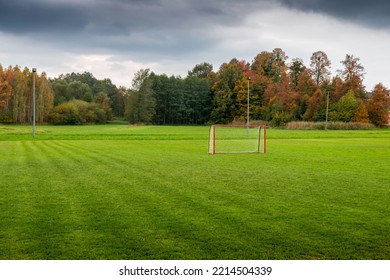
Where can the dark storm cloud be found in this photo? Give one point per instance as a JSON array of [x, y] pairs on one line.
[[374, 13], [131, 23], [115, 16], [20, 16], [100, 16], [147, 27], [117, 24]]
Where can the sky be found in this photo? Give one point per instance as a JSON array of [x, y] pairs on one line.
[[115, 38]]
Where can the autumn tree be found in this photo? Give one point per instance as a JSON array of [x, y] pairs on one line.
[[44, 98], [248, 80], [378, 105], [296, 68], [353, 74], [270, 64], [16, 95], [5, 94], [278, 60], [225, 97], [20, 92], [361, 113], [320, 65], [314, 104], [5, 97], [280, 101], [305, 89], [338, 89]]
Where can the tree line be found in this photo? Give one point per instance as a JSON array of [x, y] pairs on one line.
[[279, 92], [16, 96], [160, 99]]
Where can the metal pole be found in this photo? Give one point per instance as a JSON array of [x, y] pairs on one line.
[[327, 110], [34, 70], [265, 140], [247, 110]]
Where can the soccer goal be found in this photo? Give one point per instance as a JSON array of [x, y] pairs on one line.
[[237, 139]]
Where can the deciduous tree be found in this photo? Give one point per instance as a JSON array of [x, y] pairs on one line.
[[141, 101], [314, 103], [378, 105], [105, 103], [353, 75], [225, 97], [296, 68], [201, 70], [320, 65], [5, 97], [44, 98], [345, 109], [270, 64]]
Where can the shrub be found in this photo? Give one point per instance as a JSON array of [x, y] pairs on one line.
[[6, 118], [65, 113], [281, 119], [331, 125], [78, 112]]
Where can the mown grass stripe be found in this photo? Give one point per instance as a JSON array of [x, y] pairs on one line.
[[90, 204]]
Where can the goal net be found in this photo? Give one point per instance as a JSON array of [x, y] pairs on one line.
[[230, 139]]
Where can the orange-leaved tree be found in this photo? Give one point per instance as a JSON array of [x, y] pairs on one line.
[[378, 105]]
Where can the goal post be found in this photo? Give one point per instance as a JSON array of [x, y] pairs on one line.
[[237, 139]]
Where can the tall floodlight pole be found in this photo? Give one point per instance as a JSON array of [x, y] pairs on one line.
[[34, 70], [247, 109], [327, 110]]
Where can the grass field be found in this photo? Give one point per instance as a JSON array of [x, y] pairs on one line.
[[127, 192]]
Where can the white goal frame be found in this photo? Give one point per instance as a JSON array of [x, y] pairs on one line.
[[261, 147]]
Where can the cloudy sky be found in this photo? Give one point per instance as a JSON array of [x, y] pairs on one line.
[[115, 38]]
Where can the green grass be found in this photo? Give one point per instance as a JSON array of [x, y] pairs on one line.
[[128, 192]]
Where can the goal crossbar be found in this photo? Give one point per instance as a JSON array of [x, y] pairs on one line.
[[237, 139]]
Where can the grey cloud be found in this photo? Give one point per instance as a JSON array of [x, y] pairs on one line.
[[117, 16], [20, 16], [167, 20], [144, 27], [374, 13]]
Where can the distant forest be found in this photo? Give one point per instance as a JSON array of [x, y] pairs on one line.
[[279, 93]]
